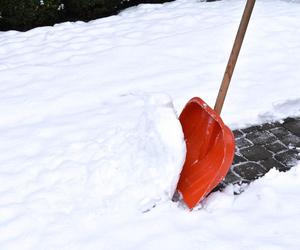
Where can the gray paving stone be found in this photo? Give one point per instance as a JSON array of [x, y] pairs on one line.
[[238, 159], [276, 147], [237, 133], [293, 125], [256, 153], [249, 170], [268, 126], [220, 187], [288, 158], [272, 163], [243, 143], [251, 129], [280, 132], [291, 140], [231, 178], [261, 137]]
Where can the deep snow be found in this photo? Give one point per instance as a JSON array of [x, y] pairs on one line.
[[90, 142]]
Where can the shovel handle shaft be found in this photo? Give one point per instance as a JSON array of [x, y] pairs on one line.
[[234, 55]]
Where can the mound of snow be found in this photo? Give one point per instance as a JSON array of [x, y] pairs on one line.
[[138, 154], [124, 155]]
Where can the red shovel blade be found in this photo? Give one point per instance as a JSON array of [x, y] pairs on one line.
[[210, 151]]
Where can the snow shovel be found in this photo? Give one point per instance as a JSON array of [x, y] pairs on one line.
[[210, 143]]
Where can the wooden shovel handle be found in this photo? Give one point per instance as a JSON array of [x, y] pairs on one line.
[[234, 55]]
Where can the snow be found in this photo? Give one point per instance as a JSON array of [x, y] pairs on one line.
[[263, 217], [90, 144]]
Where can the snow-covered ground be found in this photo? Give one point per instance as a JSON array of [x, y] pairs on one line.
[[90, 142]]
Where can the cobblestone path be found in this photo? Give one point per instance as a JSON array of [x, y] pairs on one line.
[[260, 148]]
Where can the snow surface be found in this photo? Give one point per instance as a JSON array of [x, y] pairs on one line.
[[90, 142]]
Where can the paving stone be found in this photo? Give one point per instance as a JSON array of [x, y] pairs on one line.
[[268, 126], [280, 132], [238, 159], [293, 125], [256, 153], [262, 127], [232, 178], [219, 187], [291, 140], [288, 158], [276, 147], [272, 163], [249, 170], [237, 133], [251, 129], [242, 143], [176, 196], [261, 137]]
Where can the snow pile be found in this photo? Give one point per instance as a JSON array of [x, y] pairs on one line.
[[121, 155]]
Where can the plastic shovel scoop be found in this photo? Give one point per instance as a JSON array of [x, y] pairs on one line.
[[210, 143]]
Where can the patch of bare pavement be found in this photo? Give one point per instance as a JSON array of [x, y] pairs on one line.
[[260, 148]]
